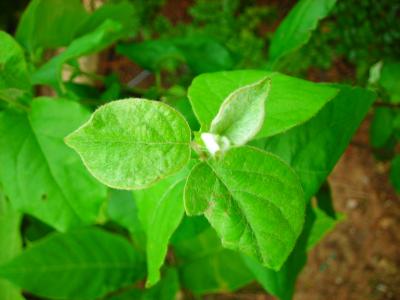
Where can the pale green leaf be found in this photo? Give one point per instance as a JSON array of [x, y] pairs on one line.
[[241, 115], [313, 148], [103, 36], [13, 67], [253, 200], [133, 143], [39, 173], [160, 212], [295, 30], [82, 265], [10, 245], [206, 267], [291, 101]]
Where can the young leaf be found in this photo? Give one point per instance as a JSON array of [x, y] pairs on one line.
[[291, 101], [295, 30], [10, 245], [82, 265], [103, 36], [206, 267], [253, 200], [39, 173], [241, 115], [160, 212], [133, 143], [13, 68], [313, 148]]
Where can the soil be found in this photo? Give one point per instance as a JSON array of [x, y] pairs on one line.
[[360, 259]]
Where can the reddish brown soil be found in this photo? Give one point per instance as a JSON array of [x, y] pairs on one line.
[[361, 258]]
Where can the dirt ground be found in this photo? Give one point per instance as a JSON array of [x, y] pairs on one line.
[[360, 259]]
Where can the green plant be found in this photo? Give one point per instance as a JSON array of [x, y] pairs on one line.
[[201, 196]]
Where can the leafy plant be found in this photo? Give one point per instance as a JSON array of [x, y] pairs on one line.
[[203, 195]]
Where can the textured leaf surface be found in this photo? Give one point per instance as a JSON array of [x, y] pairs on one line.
[[282, 283], [133, 143], [39, 173], [314, 148], [160, 212], [13, 68], [103, 36], [291, 101], [295, 30], [241, 115], [10, 245], [252, 199], [206, 267], [84, 264]]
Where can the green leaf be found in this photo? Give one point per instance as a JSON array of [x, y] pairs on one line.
[[102, 37], [10, 245], [123, 210], [166, 289], [390, 78], [153, 55], [39, 173], [241, 115], [395, 173], [13, 68], [282, 283], [252, 199], [382, 129], [313, 148], [82, 265], [200, 53], [133, 143], [206, 267], [295, 30], [50, 24], [123, 12], [160, 211], [291, 101]]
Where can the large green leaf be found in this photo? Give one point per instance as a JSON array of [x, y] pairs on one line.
[[50, 24], [295, 30], [206, 267], [13, 68], [104, 35], [83, 265], [133, 143], [10, 245], [291, 101], [318, 223], [253, 200], [160, 212], [314, 148], [39, 173], [241, 115]]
